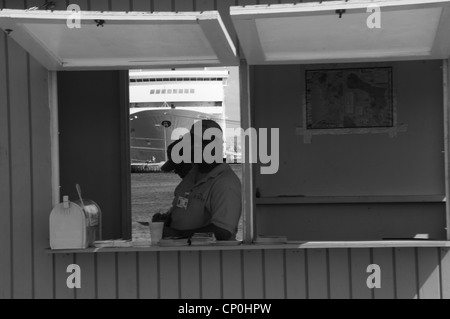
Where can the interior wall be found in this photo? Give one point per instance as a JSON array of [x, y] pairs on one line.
[[412, 163], [91, 112], [366, 164], [347, 222]]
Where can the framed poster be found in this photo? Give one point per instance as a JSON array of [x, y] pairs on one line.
[[349, 98]]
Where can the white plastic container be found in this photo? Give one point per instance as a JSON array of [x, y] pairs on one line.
[[71, 227]]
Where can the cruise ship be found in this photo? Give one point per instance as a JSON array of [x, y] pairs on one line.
[[163, 100]]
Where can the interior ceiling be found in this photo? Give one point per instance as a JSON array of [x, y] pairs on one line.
[[126, 40], [136, 41], [287, 34], [328, 36]]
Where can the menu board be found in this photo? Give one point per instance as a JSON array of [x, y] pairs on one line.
[[349, 98]]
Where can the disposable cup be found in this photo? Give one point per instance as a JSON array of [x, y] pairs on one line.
[[156, 231]]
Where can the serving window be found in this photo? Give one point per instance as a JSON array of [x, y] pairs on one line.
[[154, 120]]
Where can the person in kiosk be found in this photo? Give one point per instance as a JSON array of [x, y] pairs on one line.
[[208, 199], [181, 169]]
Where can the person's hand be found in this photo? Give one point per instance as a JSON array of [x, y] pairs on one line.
[[162, 218], [158, 217]]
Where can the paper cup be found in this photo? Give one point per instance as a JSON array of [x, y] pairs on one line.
[[156, 231]]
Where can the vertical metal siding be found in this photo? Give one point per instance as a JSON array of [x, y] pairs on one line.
[[169, 275], [210, 273], [41, 204], [59, 5], [100, 5], [41, 177], [120, 5], [5, 173], [84, 4], [406, 273], [428, 273], [60, 290], [20, 168], [316, 274], [22, 192], [106, 279], [253, 275], [183, 5], [127, 275], [88, 276], [445, 273], [190, 277], [339, 274], [385, 259], [295, 268], [203, 5], [138, 5], [148, 275], [25, 202], [232, 274], [360, 259], [167, 5], [274, 274]]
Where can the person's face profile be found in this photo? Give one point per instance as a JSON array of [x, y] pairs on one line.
[[183, 169]]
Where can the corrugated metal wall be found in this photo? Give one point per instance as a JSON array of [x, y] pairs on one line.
[[313, 273], [26, 271]]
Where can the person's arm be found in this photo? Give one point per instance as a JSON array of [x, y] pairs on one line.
[[226, 204], [220, 233]]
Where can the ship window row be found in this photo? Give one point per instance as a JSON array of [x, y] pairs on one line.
[[172, 91], [174, 79]]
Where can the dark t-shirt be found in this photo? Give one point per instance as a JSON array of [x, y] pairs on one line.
[[214, 199]]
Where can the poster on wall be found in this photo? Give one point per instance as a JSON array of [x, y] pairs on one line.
[[349, 98]]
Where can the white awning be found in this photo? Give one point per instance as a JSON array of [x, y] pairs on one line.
[[315, 32], [124, 40]]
